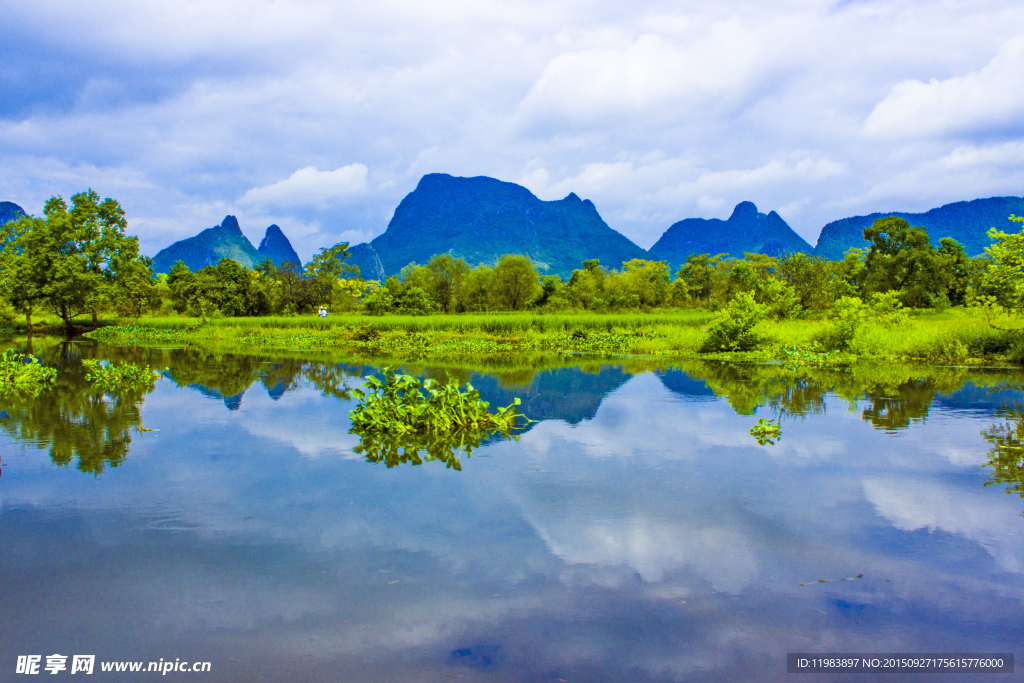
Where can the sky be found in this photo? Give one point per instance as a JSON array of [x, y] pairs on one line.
[[320, 116]]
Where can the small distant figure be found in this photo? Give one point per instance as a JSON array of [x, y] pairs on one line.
[[322, 312]]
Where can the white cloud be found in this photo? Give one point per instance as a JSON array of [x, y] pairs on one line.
[[647, 72], [991, 98], [656, 112], [310, 187]]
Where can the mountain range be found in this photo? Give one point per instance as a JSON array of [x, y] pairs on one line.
[[226, 241], [966, 222], [747, 230], [480, 219]]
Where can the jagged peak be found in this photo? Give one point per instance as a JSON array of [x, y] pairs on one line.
[[231, 223], [743, 210]]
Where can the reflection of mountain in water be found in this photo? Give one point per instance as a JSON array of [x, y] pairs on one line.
[[567, 394], [682, 384], [233, 401], [972, 397]]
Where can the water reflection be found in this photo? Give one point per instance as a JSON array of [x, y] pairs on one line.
[[635, 533], [76, 421], [1006, 455]]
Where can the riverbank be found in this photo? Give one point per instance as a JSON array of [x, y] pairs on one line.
[[956, 336]]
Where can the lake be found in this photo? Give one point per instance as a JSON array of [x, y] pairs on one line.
[[635, 532]]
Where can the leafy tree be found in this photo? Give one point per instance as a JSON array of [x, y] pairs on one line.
[[954, 267], [516, 281], [648, 280], [446, 274], [697, 275], [379, 302], [70, 253], [21, 277], [812, 279], [1005, 277], [476, 293], [133, 290], [586, 286], [901, 258]]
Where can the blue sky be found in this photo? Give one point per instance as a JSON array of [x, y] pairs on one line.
[[321, 116]]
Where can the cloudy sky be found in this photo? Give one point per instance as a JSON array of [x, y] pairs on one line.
[[320, 116]]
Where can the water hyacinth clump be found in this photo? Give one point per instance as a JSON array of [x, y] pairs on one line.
[[767, 432], [126, 377], [400, 416], [24, 375]]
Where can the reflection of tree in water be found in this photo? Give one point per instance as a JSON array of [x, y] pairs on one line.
[[748, 387], [74, 419], [1006, 455], [892, 408]]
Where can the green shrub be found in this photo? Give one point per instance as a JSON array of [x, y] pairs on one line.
[[733, 328], [887, 309], [848, 314], [395, 421]]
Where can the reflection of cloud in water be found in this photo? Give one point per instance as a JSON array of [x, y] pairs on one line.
[[304, 420], [911, 504]]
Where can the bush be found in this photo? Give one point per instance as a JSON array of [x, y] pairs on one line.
[[888, 310], [733, 328], [949, 350], [378, 302], [848, 313]]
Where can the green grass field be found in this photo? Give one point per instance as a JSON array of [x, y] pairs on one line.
[[955, 336]]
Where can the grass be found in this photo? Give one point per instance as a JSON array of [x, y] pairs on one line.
[[955, 336]]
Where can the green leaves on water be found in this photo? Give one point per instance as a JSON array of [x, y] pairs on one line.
[[24, 375], [766, 432], [126, 377], [400, 416]]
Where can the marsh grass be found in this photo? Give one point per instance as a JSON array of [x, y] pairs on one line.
[[955, 336]]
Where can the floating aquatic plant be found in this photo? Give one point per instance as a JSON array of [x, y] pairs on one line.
[[25, 375], [126, 377], [399, 416], [766, 432]]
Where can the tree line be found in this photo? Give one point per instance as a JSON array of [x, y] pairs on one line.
[[77, 260]]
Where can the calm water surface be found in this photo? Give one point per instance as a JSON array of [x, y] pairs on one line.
[[636, 532]]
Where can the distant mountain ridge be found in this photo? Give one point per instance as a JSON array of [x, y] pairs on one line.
[[480, 219], [225, 241], [966, 222], [9, 211], [746, 231]]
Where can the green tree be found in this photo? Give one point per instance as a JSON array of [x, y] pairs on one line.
[[648, 280], [697, 276], [447, 274], [901, 258], [70, 253], [1005, 276], [516, 281], [586, 286], [477, 290], [21, 277], [133, 290]]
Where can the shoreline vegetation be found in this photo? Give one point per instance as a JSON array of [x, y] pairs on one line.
[[950, 337]]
